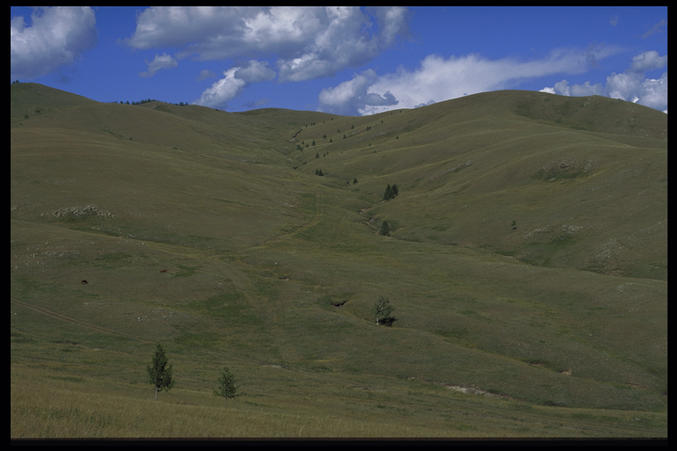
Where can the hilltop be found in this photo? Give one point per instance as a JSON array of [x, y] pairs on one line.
[[529, 235]]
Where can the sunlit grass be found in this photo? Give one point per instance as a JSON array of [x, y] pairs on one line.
[[67, 409], [526, 266]]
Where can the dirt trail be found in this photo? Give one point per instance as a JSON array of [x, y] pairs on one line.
[[285, 236], [78, 322]]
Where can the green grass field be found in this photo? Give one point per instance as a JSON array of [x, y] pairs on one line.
[[527, 264]]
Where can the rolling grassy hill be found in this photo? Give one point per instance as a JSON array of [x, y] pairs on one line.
[[527, 265]]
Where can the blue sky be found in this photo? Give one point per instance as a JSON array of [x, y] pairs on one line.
[[350, 60]]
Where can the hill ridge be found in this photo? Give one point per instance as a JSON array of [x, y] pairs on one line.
[[519, 254]]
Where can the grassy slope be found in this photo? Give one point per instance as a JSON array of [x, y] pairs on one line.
[[468, 168], [217, 240]]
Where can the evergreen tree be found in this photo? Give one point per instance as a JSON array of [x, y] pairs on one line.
[[160, 374], [390, 192], [385, 228], [387, 195], [226, 387], [383, 311]]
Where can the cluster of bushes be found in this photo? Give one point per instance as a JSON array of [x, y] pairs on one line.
[[391, 192]]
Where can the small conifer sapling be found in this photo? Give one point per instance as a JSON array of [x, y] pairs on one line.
[[226, 387]]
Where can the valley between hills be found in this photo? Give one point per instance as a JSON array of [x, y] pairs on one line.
[[524, 255]]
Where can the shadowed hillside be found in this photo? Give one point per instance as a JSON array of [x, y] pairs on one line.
[[526, 260]]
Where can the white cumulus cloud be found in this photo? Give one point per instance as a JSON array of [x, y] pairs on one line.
[[633, 85], [56, 37], [204, 74], [341, 42], [222, 91], [352, 95], [255, 71], [160, 27], [233, 81], [306, 42], [438, 78], [586, 89], [654, 92], [163, 61], [648, 61]]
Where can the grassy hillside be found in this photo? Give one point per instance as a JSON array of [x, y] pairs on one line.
[[527, 266], [583, 179]]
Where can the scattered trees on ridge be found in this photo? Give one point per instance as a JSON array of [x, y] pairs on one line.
[[141, 102]]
